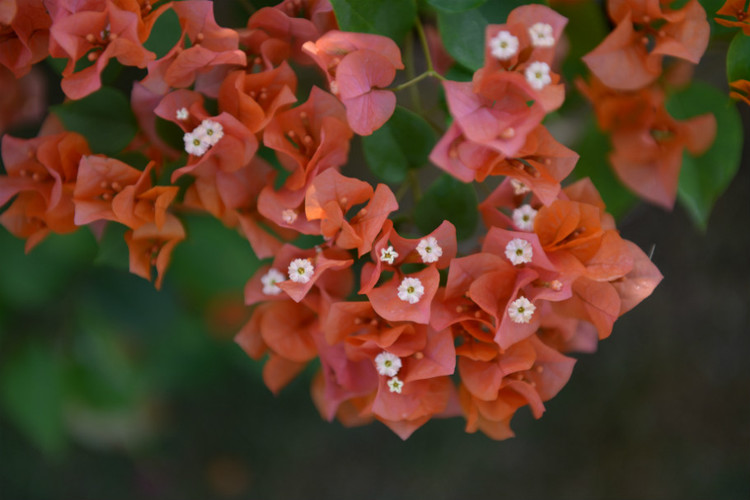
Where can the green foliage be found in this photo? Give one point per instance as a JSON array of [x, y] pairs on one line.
[[165, 34], [404, 142], [705, 178], [594, 149], [104, 118], [586, 28], [213, 259], [463, 32], [391, 18], [738, 58], [31, 392], [455, 5], [113, 251], [448, 199]]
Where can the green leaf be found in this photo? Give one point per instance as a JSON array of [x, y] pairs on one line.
[[463, 32], [113, 251], [212, 260], [165, 34], [738, 58], [703, 179], [455, 5], [587, 27], [404, 142], [391, 18], [463, 36], [594, 148], [31, 392], [448, 199], [104, 118]]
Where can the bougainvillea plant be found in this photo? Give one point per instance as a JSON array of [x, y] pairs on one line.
[[409, 308]]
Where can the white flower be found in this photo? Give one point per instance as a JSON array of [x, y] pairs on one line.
[[388, 255], [519, 251], [289, 216], [387, 364], [519, 187], [195, 144], [429, 250], [300, 270], [542, 35], [537, 74], [182, 114], [504, 45], [523, 218], [269, 281], [521, 310], [395, 385], [410, 290], [213, 131]]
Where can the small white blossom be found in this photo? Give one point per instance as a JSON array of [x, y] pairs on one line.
[[301, 270], [410, 290], [542, 35], [519, 187], [537, 74], [387, 364], [523, 218], [521, 310], [182, 114], [429, 250], [388, 255], [195, 144], [289, 216], [504, 45], [395, 385], [269, 281], [519, 251], [213, 131]]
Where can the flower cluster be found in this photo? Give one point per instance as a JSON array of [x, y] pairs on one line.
[[404, 328], [629, 98]]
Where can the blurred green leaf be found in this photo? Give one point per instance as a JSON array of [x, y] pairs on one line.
[[463, 33], [594, 148], [113, 251], [165, 34], [455, 5], [104, 118], [404, 142], [170, 133], [452, 200], [738, 58], [705, 178], [29, 281], [31, 391], [212, 259], [587, 27], [391, 18]]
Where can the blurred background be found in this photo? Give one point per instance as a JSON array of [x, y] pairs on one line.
[[110, 389]]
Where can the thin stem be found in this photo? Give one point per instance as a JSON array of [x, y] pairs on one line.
[[411, 82], [425, 46], [409, 63]]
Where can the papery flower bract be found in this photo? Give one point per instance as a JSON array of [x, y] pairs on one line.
[[738, 10], [24, 34]]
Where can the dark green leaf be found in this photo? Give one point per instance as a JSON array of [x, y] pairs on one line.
[[197, 267], [31, 391], [463, 33], [113, 251], [705, 178], [104, 118], [448, 199], [170, 133], [404, 142], [165, 34], [594, 149], [587, 27], [455, 5], [738, 58], [391, 18]]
